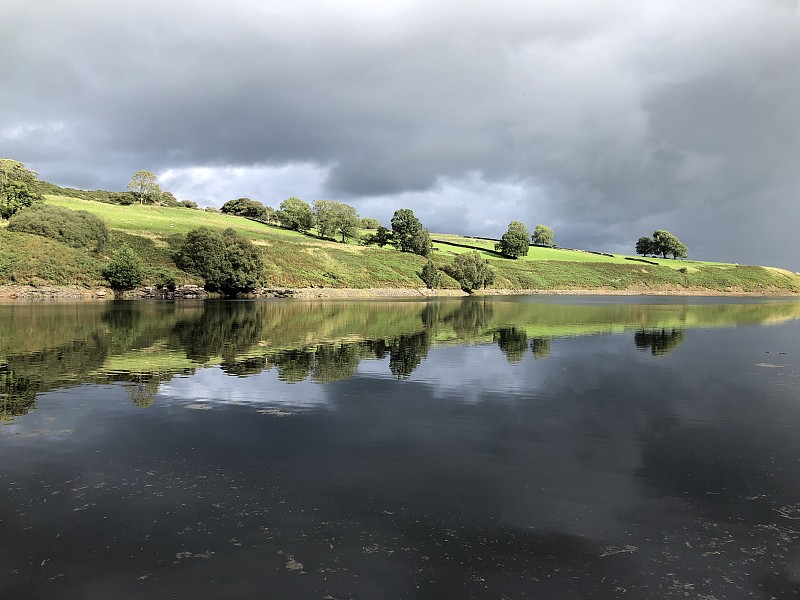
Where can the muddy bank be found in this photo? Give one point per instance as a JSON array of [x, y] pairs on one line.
[[26, 292]]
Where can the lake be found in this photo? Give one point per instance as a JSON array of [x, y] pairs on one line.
[[506, 447]]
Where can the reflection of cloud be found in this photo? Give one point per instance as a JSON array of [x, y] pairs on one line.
[[212, 385]]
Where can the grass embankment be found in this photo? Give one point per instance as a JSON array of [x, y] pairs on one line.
[[297, 260]]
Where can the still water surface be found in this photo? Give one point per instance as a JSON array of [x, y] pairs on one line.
[[481, 448]]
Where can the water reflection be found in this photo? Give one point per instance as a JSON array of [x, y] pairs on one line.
[[658, 341], [47, 347]]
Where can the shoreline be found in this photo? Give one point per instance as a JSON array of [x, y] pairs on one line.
[[15, 293]]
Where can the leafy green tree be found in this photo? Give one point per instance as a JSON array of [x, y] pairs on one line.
[[370, 223], [381, 237], [244, 207], [405, 226], [471, 271], [665, 243], [124, 271], [227, 262], [336, 218], [347, 222], [144, 186], [430, 275], [188, 203], [295, 214], [644, 246], [421, 243], [542, 235], [324, 217], [17, 187], [76, 228], [514, 242]]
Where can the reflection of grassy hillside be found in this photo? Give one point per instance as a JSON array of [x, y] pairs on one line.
[[48, 346]]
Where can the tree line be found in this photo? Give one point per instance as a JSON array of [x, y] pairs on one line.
[[230, 263]]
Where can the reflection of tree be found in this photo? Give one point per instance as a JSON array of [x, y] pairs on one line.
[[17, 394], [293, 365], [142, 389], [658, 341], [513, 342], [470, 318], [244, 367], [541, 347], [224, 329], [406, 352], [335, 362]]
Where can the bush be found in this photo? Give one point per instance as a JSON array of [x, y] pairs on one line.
[[76, 228], [471, 271], [228, 262], [124, 271], [430, 275]]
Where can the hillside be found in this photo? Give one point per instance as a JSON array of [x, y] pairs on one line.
[[298, 260]]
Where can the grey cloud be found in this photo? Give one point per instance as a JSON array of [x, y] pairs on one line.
[[616, 119]]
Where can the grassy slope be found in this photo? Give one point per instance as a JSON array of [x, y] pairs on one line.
[[298, 260]]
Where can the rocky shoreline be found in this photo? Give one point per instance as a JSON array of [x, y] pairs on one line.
[[192, 292]]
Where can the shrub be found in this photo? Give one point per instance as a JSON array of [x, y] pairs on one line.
[[124, 271], [430, 275], [471, 271], [76, 228], [228, 262]]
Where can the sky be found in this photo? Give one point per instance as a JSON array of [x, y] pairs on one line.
[[604, 120]]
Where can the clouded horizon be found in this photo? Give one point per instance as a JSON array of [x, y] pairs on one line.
[[603, 120]]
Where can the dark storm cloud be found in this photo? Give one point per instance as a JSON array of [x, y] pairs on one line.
[[604, 121]]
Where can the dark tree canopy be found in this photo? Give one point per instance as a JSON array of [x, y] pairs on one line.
[[381, 237], [17, 187], [244, 207], [514, 242], [665, 243], [228, 262], [405, 226], [644, 246], [430, 275], [124, 271]]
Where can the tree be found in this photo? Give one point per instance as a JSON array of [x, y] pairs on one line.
[[144, 186], [347, 222], [381, 237], [542, 236], [370, 223], [244, 207], [514, 242], [227, 262], [17, 187], [644, 246], [430, 275], [665, 243], [471, 271], [295, 214], [421, 243], [404, 227], [124, 271], [336, 218]]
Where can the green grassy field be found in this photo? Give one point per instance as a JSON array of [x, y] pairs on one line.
[[295, 259]]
